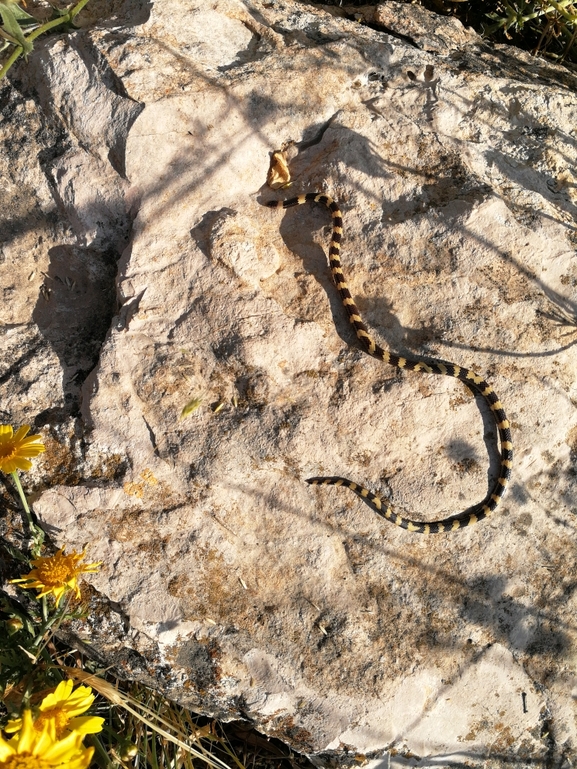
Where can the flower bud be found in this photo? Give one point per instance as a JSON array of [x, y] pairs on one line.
[[14, 625]]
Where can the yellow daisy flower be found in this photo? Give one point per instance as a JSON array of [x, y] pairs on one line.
[[30, 749], [63, 707], [16, 449], [57, 573]]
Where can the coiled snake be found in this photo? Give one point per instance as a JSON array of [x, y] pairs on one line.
[[472, 380]]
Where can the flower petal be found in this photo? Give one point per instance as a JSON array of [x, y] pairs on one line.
[[62, 692], [17, 448], [26, 735], [13, 725], [6, 749], [87, 724], [57, 750], [21, 432]]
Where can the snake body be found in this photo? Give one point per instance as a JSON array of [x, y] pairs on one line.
[[472, 380]]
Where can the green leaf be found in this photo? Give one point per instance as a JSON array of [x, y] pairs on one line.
[[10, 14], [18, 12]]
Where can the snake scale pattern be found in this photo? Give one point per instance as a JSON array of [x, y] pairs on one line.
[[472, 380]]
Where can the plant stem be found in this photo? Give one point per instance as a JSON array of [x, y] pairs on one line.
[[16, 53], [44, 605], [35, 531], [45, 27], [560, 8], [67, 17], [77, 8], [45, 628], [23, 498]]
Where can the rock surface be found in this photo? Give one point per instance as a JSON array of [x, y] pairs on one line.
[[139, 148]]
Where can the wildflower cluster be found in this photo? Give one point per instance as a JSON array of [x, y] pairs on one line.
[[53, 736], [50, 734], [49, 721], [57, 574]]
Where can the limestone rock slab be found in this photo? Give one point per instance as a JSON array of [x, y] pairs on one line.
[[245, 592]]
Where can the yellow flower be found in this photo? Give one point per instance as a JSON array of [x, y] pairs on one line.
[[16, 449], [31, 749], [57, 573], [63, 707]]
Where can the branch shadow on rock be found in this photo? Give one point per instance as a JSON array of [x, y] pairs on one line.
[[452, 606]]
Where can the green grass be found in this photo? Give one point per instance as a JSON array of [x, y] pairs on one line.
[[544, 27]]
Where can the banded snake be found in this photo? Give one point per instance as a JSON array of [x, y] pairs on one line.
[[472, 380]]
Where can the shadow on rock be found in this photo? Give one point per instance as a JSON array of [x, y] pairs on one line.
[[73, 313]]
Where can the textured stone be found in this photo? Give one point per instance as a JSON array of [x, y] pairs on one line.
[[245, 592], [426, 30]]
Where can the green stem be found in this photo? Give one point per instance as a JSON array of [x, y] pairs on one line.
[[67, 17], [77, 8], [45, 628], [44, 604], [102, 754], [560, 8], [49, 623], [45, 27], [16, 53], [23, 499], [35, 531]]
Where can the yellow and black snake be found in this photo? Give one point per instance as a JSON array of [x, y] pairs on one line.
[[474, 382]]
